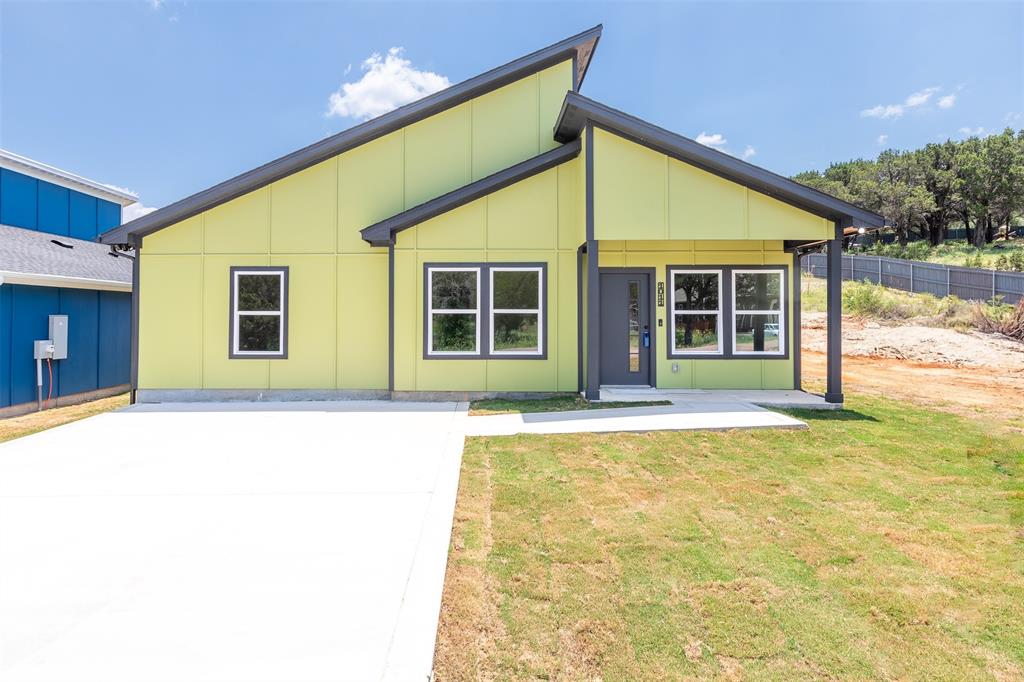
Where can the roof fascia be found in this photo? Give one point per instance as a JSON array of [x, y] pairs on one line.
[[41, 171], [383, 232], [358, 135], [577, 110], [35, 279]]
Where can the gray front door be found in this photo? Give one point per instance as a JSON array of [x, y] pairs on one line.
[[625, 329]]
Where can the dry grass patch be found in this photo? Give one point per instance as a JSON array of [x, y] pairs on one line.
[[33, 422], [883, 542]]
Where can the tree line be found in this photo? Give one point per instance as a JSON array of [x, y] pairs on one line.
[[976, 183]]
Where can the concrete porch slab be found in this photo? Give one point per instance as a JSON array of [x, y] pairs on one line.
[[680, 416], [768, 398]]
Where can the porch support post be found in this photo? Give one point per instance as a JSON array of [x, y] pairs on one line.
[[133, 368], [797, 323], [593, 391], [834, 274]]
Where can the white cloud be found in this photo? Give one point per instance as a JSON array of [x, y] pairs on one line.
[[156, 4], [912, 101], [969, 132], [748, 152], [1013, 116], [388, 82], [882, 139], [715, 140], [134, 211], [947, 101]]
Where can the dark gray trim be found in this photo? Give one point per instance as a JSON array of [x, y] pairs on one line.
[[593, 390], [728, 342], [381, 233], [580, 46], [391, 316], [484, 299], [136, 278], [834, 330], [283, 355], [797, 322], [579, 112], [652, 285], [579, 317]]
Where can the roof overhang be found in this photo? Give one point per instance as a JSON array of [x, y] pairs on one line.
[[33, 279], [382, 233], [579, 48], [42, 171], [579, 111]]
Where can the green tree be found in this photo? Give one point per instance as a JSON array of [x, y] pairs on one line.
[[938, 169], [897, 191]]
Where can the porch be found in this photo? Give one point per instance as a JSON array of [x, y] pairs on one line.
[[780, 399]]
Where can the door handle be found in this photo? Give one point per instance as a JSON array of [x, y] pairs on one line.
[[646, 337]]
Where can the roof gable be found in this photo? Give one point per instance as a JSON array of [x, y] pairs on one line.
[[381, 233], [579, 111], [579, 48]]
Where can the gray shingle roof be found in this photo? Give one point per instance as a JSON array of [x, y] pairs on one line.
[[35, 253]]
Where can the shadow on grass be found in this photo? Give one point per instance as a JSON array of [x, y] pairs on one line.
[[830, 415]]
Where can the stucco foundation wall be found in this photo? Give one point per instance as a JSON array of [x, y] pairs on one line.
[[707, 372], [537, 220], [310, 221]]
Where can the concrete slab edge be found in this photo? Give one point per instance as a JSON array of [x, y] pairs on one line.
[[411, 654]]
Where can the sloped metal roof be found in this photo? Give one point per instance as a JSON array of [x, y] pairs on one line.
[[43, 171], [579, 47]]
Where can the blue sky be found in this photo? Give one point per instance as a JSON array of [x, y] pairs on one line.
[[168, 98]]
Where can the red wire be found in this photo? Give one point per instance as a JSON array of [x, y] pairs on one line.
[[49, 393]]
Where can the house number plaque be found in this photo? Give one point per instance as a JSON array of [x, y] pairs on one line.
[[661, 294]]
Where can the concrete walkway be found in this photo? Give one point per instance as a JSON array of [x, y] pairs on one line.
[[680, 416], [275, 541], [779, 398]]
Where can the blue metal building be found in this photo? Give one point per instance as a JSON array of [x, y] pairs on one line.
[[51, 264]]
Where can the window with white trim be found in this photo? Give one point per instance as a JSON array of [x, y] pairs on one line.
[[758, 312], [453, 311], [516, 317], [696, 312], [259, 319]]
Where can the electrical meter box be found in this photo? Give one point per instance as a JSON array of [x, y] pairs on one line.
[[59, 336]]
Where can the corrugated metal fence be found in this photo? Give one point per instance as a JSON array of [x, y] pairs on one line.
[[973, 284]]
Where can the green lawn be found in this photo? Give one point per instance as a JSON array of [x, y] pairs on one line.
[[555, 404], [886, 541]]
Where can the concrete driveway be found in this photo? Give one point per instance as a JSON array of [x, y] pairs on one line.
[[228, 542]]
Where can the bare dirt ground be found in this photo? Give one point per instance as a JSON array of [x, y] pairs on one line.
[[938, 367]]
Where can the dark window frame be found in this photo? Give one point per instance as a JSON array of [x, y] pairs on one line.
[[670, 312], [728, 340], [483, 351], [235, 270]]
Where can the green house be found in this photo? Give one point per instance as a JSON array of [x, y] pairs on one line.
[[505, 235]]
